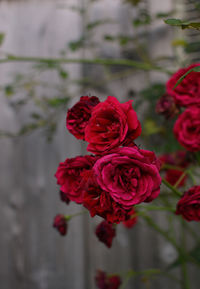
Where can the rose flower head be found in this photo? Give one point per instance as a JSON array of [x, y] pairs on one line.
[[104, 281], [129, 175], [189, 205], [167, 106], [100, 203], [60, 223], [70, 176], [187, 128], [188, 91], [79, 115], [105, 232], [111, 124]]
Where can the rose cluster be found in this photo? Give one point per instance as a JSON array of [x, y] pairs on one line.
[[184, 98], [118, 174]]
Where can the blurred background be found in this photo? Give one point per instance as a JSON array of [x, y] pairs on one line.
[[35, 95]]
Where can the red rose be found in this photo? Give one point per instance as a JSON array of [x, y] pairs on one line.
[[69, 176], [103, 281], [187, 129], [79, 115], [189, 205], [129, 175], [110, 125], [188, 91], [105, 232], [166, 106], [100, 203], [60, 223], [132, 220]]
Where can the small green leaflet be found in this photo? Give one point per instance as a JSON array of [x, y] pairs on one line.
[[195, 69], [183, 24]]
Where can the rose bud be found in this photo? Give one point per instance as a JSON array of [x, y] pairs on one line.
[[189, 205], [60, 223], [103, 281], [64, 198], [105, 232], [79, 115], [166, 106]]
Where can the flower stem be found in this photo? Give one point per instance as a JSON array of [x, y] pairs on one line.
[[101, 61], [172, 188], [185, 280]]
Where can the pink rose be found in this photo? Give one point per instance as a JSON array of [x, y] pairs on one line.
[[129, 175], [110, 125], [187, 129], [69, 176], [79, 115], [189, 205], [188, 91]]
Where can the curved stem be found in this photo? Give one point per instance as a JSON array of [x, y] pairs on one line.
[[122, 62]]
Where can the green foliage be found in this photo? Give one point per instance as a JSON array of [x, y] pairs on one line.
[[183, 24], [2, 37]]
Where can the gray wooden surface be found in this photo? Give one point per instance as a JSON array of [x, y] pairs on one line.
[[33, 255]]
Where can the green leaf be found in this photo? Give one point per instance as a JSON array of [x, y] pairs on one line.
[[63, 74], [195, 69], [76, 45], [9, 90], [55, 102], [96, 23], [183, 24], [2, 37], [133, 2]]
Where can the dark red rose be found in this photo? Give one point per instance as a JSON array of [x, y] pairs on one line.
[[100, 203], [105, 232], [69, 176], [187, 129], [79, 115], [178, 159], [189, 204], [132, 220], [188, 91], [129, 175], [166, 106], [110, 125], [64, 198], [103, 281], [60, 223]]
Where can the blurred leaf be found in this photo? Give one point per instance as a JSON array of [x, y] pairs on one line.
[[150, 127], [35, 115], [195, 69], [164, 14], [2, 37], [109, 37], [63, 74], [9, 90], [133, 2], [76, 45], [153, 92], [55, 102], [144, 20], [96, 23], [183, 24], [179, 42], [31, 126], [192, 47]]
